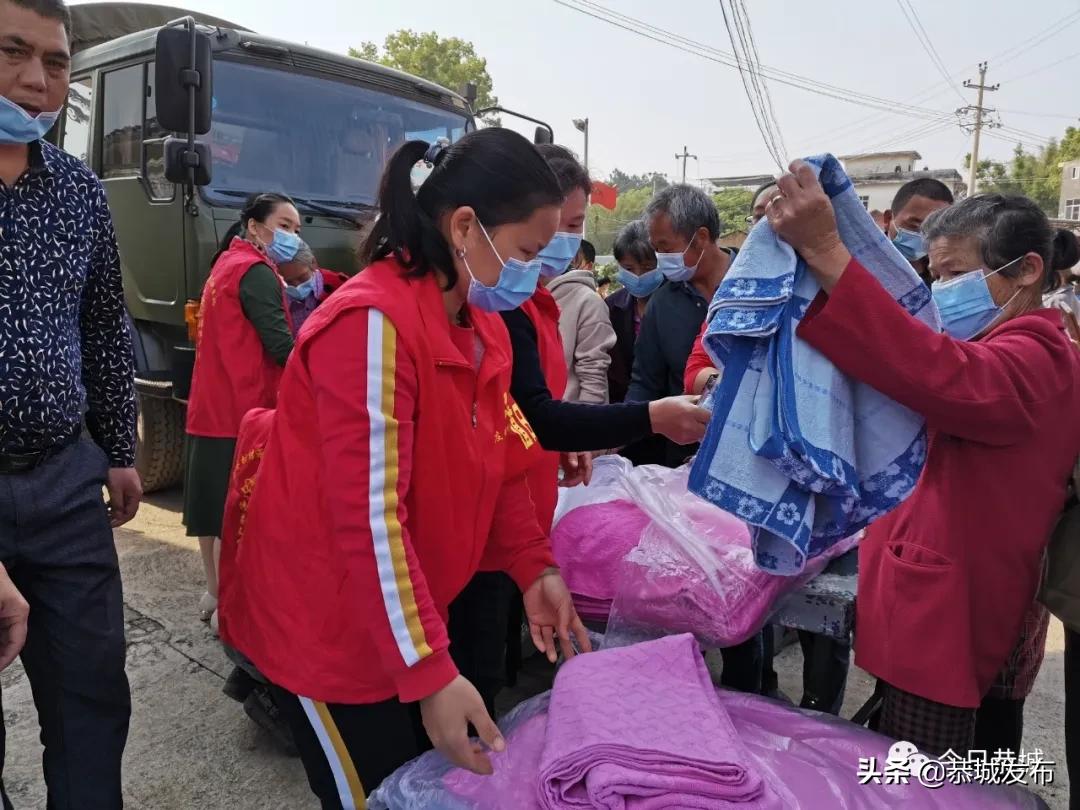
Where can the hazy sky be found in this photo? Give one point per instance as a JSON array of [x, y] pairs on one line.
[[646, 100]]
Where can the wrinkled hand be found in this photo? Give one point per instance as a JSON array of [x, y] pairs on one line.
[[125, 493], [447, 714], [14, 614], [577, 469], [550, 612], [679, 418], [802, 215]]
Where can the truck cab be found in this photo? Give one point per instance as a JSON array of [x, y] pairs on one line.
[[284, 117]]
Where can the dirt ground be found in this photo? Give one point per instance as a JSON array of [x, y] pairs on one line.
[[191, 747]]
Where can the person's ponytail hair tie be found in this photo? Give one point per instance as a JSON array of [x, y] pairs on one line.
[[435, 152], [494, 171]]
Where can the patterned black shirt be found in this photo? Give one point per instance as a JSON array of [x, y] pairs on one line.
[[64, 342]]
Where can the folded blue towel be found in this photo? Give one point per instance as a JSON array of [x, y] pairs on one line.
[[802, 453]]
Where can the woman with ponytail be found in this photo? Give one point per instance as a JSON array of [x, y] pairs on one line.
[[394, 410], [242, 343]]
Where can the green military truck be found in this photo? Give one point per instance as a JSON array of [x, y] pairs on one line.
[[274, 116]]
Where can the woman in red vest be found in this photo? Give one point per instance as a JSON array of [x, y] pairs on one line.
[[394, 410], [242, 344], [946, 579]]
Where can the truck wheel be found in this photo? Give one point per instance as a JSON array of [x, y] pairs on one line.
[[159, 455]]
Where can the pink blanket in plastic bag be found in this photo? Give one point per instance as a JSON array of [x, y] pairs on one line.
[[638, 549], [640, 727]]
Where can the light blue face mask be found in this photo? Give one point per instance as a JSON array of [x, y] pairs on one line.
[[966, 306], [283, 247], [516, 283], [674, 266], [558, 253], [640, 286], [301, 291], [18, 126], [911, 244]]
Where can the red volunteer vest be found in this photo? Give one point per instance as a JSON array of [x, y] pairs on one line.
[[285, 599], [233, 373], [541, 466]]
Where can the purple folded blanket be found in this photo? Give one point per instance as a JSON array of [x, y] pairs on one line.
[[641, 728]]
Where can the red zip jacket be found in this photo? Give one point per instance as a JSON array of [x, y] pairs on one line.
[[698, 361], [540, 466], [946, 579], [233, 373], [381, 491]]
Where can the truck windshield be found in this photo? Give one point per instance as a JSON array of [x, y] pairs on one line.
[[316, 138]]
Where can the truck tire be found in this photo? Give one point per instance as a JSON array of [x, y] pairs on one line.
[[159, 454]]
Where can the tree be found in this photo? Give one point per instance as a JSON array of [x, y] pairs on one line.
[[450, 62], [734, 205], [631, 182], [603, 225], [1036, 175]]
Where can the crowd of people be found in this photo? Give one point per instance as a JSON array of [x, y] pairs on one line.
[[432, 406]]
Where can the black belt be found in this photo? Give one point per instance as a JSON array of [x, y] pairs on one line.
[[22, 463]]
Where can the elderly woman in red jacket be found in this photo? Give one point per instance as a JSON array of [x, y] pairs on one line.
[[946, 579]]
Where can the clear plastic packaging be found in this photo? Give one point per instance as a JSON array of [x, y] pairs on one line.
[[637, 547], [809, 760]]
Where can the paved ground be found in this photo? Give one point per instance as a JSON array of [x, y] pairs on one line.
[[191, 747]]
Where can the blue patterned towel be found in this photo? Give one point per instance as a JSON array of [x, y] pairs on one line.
[[805, 455]]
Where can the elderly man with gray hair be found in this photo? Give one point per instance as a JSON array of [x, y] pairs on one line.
[[683, 227]]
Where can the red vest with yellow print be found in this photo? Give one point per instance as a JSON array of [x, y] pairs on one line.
[[540, 466], [233, 373]]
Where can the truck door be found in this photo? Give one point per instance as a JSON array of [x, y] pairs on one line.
[[146, 207]]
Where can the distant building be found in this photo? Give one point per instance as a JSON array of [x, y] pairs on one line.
[[750, 182], [877, 176], [1069, 206]]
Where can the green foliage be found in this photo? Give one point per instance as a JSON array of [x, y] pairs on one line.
[[631, 182], [1036, 175], [450, 62], [603, 224], [734, 206]]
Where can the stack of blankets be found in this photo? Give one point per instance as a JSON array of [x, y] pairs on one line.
[[642, 728]]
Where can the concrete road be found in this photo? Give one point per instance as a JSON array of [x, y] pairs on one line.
[[191, 747]]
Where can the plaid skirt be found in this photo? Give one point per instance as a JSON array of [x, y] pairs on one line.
[[933, 727]]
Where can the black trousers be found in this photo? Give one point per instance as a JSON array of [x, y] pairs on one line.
[[57, 545], [999, 725], [478, 626], [825, 669], [742, 665], [1072, 714], [348, 750]]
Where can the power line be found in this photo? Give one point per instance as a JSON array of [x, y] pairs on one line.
[[1027, 45], [741, 11], [927, 45], [643, 29], [751, 85], [1043, 68]]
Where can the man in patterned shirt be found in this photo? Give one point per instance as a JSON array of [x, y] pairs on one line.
[[65, 353]]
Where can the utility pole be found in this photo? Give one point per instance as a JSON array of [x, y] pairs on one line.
[[683, 157], [582, 126], [979, 110]]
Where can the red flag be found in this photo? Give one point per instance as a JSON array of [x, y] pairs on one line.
[[604, 195]]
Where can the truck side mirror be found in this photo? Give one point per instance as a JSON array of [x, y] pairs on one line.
[[181, 158], [184, 69], [543, 135]]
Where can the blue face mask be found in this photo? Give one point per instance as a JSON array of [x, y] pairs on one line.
[[640, 286], [301, 291], [18, 126], [516, 283], [558, 253], [283, 247], [967, 308], [674, 266], [911, 244]]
